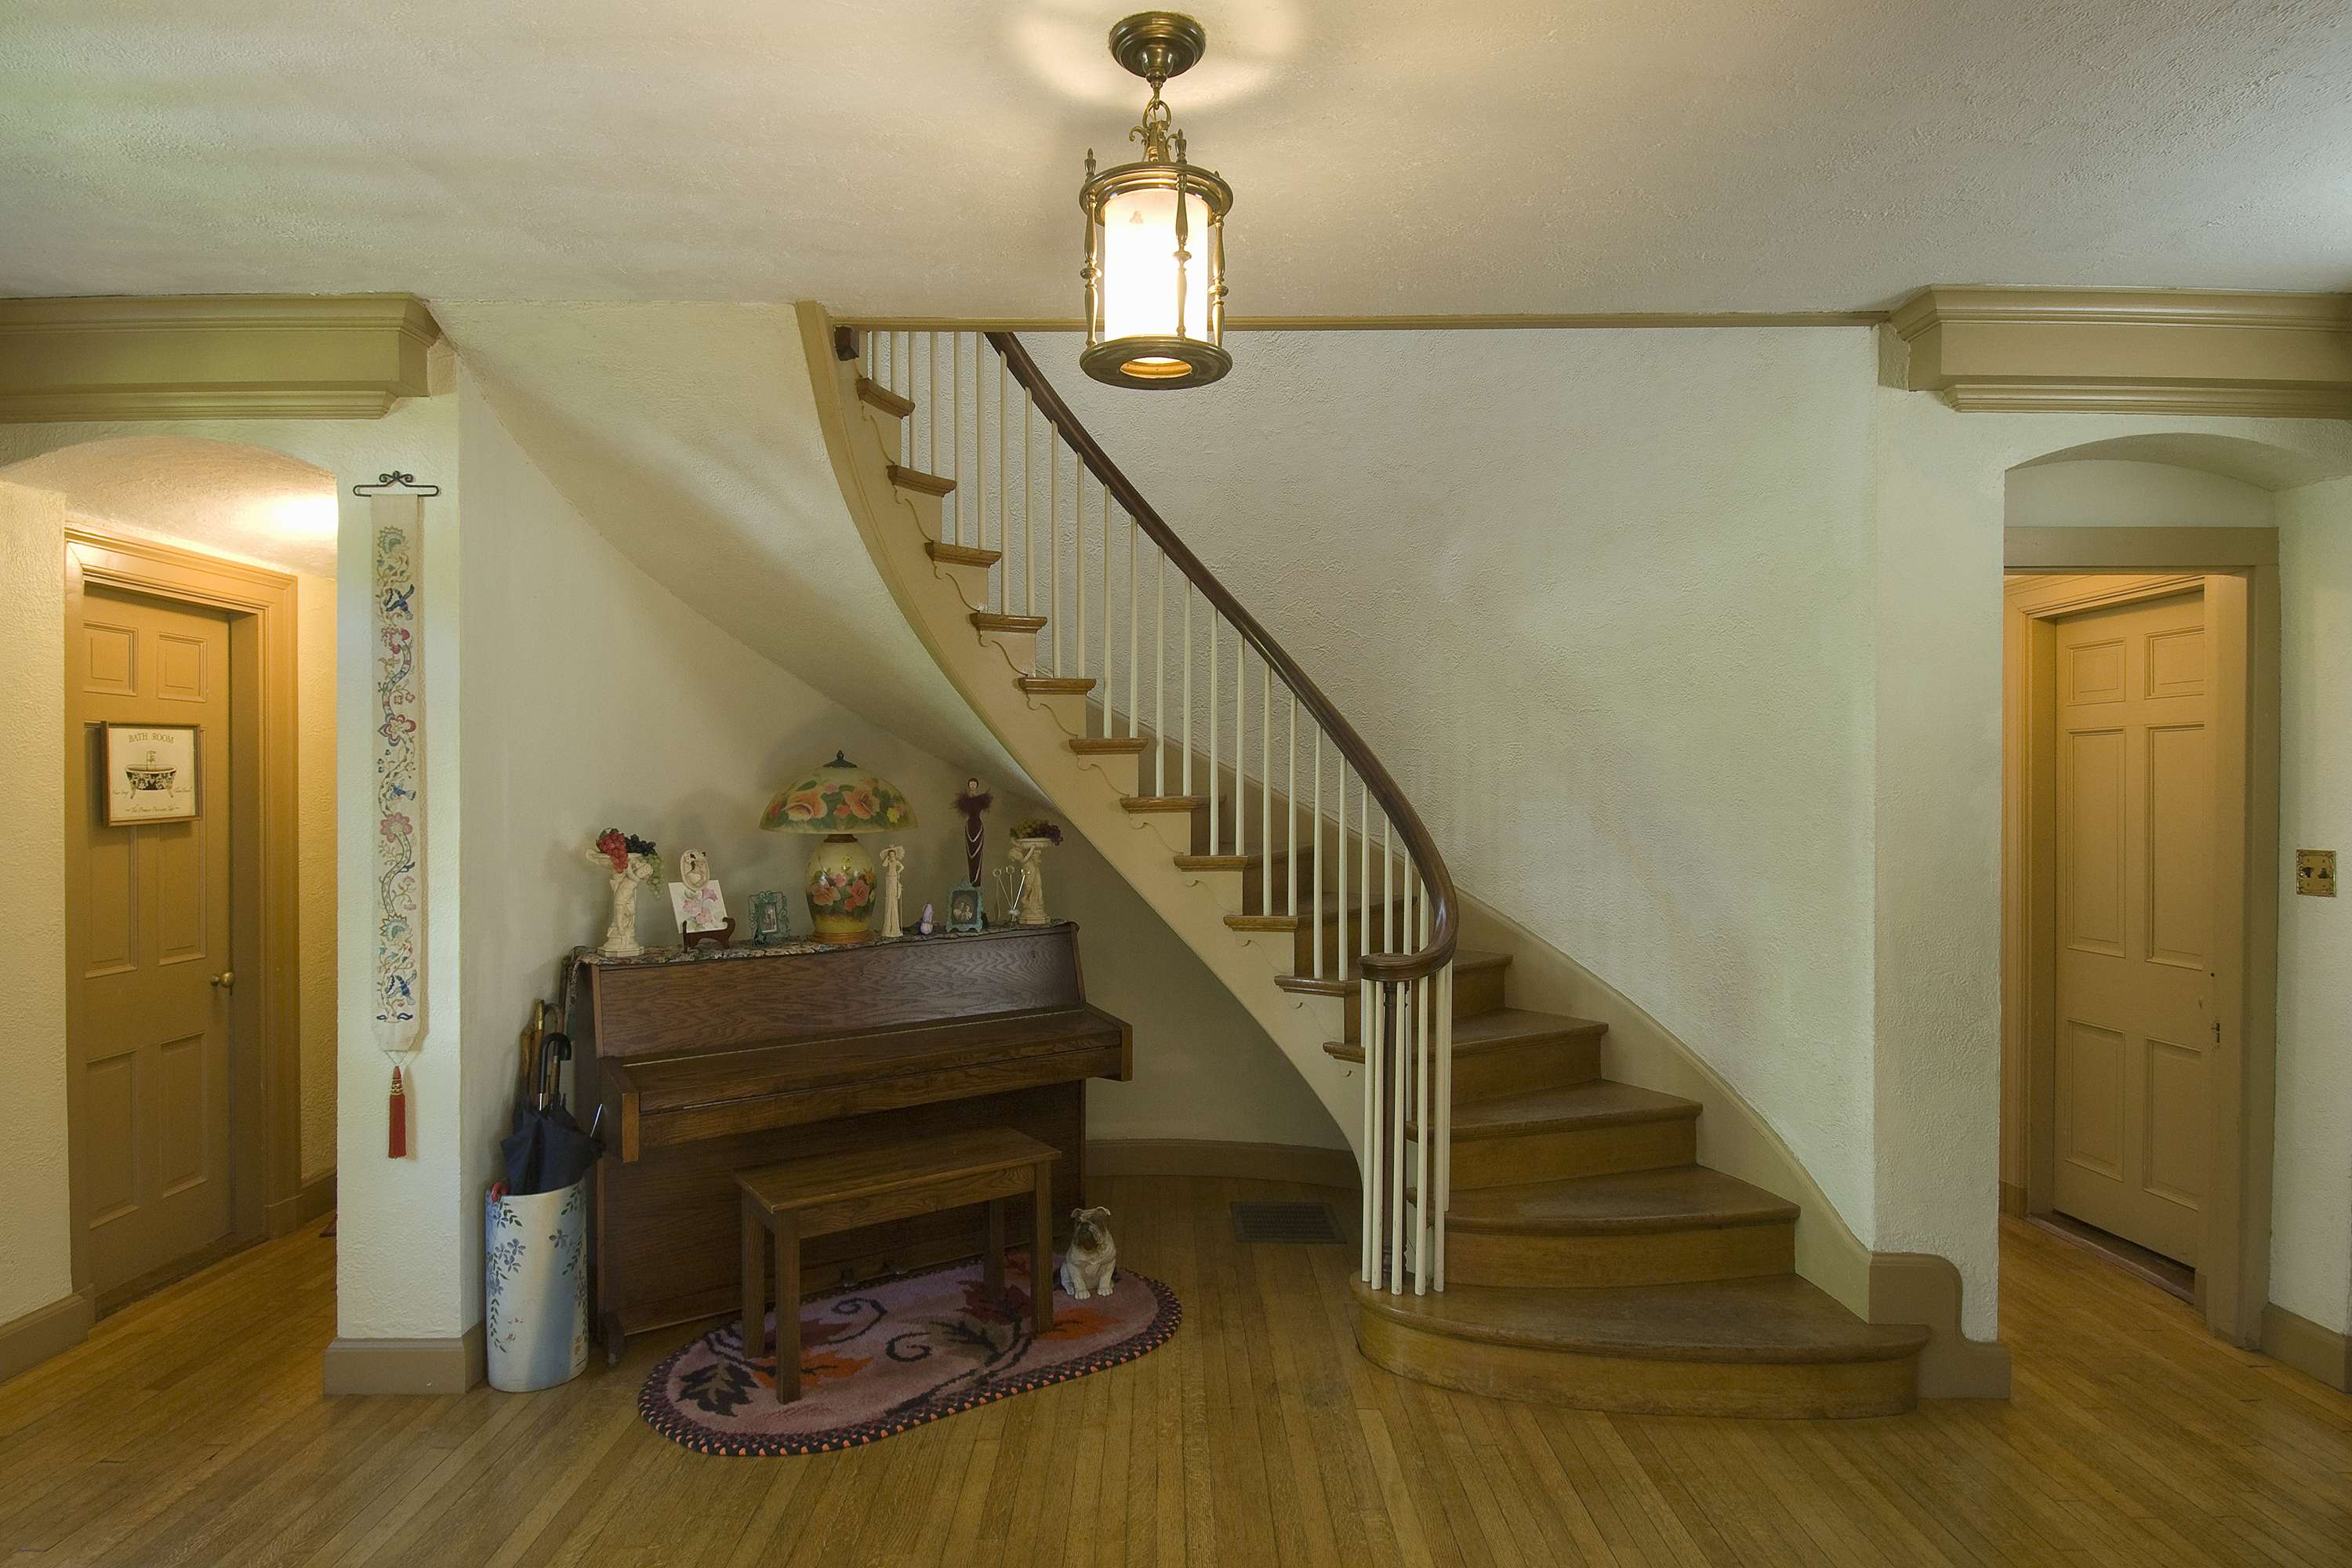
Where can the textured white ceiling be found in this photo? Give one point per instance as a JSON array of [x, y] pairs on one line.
[[244, 501], [1390, 156]]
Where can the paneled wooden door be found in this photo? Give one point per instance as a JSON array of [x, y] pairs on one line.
[[149, 942], [2135, 1024]]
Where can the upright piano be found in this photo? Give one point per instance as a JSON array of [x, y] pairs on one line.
[[712, 1060]]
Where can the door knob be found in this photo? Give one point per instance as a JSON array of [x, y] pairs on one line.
[[225, 980]]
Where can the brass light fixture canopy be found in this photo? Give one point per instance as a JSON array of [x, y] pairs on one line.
[[1155, 239]]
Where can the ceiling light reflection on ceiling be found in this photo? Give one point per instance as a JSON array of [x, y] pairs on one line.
[[308, 516]]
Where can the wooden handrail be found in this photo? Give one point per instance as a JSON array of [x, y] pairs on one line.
[[1388, 968]]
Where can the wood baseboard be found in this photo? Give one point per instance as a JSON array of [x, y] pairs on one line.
[[28, 1341], [1921, 1287], [2013, 1200], [405, 1366], [2307, 1347], [315, 1201], [1211, 1157]]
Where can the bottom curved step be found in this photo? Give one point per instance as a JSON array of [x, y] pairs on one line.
[[1771, 1348]]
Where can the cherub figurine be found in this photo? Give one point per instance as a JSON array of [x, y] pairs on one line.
[[630, 862], [894, 866]]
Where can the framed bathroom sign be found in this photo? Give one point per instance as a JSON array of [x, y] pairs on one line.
[[150, 774]]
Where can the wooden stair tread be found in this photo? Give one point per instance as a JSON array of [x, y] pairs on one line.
[[1464, 959], [1236, 862], [1057, 685], [873, 394], [998, 621], [962, 554], [1776, 1318], [1111, 745], [1505, 1028], [1681, 1197], [1165, 802], [1598, 1103], [916, 479]]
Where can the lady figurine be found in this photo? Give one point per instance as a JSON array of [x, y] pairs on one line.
[[894, 866], [1028, 860], [630, 862]]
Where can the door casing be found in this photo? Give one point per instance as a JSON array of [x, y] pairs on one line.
[[265, 1017], [2238, 569]]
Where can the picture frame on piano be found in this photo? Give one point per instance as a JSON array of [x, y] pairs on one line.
[[965, 912]]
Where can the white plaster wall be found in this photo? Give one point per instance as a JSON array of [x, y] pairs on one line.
[[2311, 1234], [314, 721], [35, 1180], [1601, 601], [2112, 493]]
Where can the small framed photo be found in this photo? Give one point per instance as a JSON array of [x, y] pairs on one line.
[[963, 907], [150, 774]]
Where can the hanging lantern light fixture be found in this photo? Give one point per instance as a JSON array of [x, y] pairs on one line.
[[1155, 267]]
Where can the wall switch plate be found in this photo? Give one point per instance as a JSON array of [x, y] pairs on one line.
[[2314, 873]]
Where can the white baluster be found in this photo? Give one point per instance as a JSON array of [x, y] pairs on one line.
[[1368, 1223], [1265, 788], [1133, 599], [1028, 504], [1402, 1065], [1079, 566], [1108, 716], [1159, 674], [1186, 787], [1214, 790], [1053, 545], [1444, 1135], [1314, 849], [1241, 748], [1004, 426], [1290, 814], [1424, 1242], [933, 403]]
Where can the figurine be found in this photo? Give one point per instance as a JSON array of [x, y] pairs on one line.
[[894, 866], [632, 863], [1030, 839], [925, 926], [974, 801], [1090, 1267]]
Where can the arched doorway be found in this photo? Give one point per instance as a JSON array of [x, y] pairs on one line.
[[196, 622], [2141, 746]]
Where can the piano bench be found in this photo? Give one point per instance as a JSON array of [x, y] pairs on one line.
[[797, 1200]]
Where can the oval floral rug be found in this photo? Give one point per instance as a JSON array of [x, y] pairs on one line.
[[880, 1359]]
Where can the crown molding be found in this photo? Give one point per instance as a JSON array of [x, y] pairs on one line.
[[212, 356], [2129, 350], [1489, 323]]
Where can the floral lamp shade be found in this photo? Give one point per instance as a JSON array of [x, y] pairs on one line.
[[839, 797], [839, 801]]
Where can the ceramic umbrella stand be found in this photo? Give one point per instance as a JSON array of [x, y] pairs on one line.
[[535, 1288]]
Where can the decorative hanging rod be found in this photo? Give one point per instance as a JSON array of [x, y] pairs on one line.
[[396, 480]]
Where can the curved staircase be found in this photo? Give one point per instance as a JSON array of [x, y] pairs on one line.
[[1572, 1250]]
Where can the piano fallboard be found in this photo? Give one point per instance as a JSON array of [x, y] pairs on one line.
[[682, 1098]]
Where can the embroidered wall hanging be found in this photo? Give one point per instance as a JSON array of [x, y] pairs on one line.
[[396, 526]]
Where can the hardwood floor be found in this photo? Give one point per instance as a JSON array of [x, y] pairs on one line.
[[190, 1429]]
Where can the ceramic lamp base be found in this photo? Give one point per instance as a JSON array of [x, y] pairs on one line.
[[841, 890]]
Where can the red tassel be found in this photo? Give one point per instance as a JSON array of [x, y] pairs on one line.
[[399, 1150]]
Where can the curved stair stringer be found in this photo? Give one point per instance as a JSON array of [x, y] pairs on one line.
[[938, 599]]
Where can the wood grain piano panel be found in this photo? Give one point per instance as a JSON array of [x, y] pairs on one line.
[[713, 1004], [706, 1067]]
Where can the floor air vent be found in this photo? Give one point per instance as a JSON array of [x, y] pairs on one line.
[[1307, 1224]]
